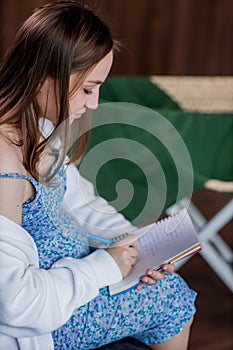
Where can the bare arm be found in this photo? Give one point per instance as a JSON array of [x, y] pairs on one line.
[[12, 191]]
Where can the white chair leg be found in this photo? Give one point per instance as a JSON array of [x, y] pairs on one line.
[[223, 248], [220, 267], [217, 222], [216, 239], [216, 251]]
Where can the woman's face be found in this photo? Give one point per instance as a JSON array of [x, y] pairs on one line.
[[86, 97]]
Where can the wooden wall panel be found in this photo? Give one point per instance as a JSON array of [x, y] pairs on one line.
[[178, 37]]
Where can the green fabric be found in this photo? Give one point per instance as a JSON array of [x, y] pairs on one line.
[[135, 89], [207, 137]]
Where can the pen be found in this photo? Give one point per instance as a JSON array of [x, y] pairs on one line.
[[100, 239]]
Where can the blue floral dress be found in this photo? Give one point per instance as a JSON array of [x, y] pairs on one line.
[[152, 315]]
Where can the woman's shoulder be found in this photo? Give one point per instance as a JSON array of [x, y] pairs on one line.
[[11, 191], [10, 155]]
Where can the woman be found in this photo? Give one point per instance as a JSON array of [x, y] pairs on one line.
[[53, 290]]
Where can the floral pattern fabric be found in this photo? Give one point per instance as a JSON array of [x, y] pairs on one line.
[[152, 315]]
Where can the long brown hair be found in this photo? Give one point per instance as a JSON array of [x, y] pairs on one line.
[[58, 39]]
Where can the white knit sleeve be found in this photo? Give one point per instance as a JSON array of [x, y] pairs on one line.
[[92, 212], [35, 301]]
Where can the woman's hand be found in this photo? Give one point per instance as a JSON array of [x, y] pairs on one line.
[[125, 253], [152, 276]]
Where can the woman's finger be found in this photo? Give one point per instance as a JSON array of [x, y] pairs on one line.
[[148, 280], [168, 267], [152, 275], [129, 240], [139, 287]]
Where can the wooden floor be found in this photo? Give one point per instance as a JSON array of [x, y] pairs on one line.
[[213, 325]]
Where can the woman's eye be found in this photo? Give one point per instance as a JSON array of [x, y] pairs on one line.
[[87, 92]]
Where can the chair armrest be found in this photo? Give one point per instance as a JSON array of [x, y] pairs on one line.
[[219, 185]]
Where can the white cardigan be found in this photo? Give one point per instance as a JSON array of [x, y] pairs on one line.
[[33, 301]]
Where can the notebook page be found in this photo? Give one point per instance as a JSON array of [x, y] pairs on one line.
[[158, 243]]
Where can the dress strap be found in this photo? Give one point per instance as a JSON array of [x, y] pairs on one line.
[[18, 176]]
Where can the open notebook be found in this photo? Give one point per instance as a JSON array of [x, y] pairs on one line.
[[164, 241]]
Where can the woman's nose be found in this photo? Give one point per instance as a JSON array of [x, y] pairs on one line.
[[92, 101]]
